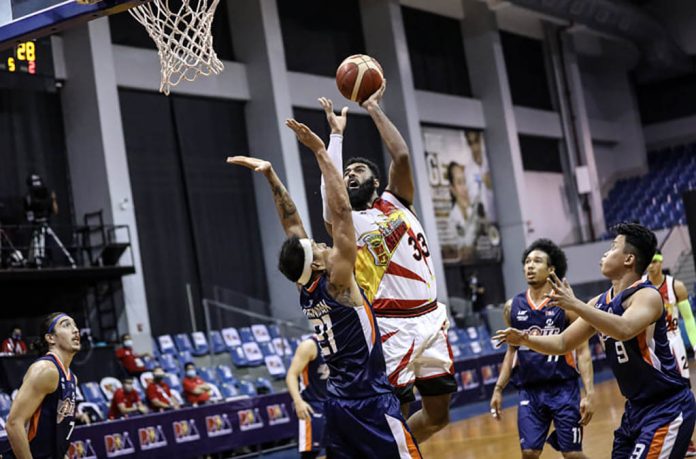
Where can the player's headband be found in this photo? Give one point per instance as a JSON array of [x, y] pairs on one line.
[[657, 257], [308, 259], [55, 320]]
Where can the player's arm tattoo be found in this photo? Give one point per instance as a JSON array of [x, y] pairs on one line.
[[285, 206], [283, 201]]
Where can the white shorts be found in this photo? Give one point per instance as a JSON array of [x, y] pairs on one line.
[[417, 351], [676, 343]]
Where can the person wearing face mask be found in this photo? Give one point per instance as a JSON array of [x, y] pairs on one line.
[[14, 345], [158, 393], [196, 390], [126, 401], [131, 362]]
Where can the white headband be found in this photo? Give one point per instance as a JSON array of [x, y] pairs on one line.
[[308, 259]]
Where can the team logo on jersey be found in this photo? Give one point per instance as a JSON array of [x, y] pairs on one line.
[[81, 450], [523, 315], [249, 419], [185, 431], [218, 425], [549, 329], [151, 437], [118, 444], [277, 414], [66, 409], [382, 243]]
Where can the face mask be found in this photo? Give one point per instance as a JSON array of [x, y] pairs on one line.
[[191, 373], [17, 335], [158, 377], [128, 343], [128, 388]]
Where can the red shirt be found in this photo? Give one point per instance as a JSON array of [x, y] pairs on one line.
[[130, 399], [159, 392], [131, 362], [14, 346], [190, 385]]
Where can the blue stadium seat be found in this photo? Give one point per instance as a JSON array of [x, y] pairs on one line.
[[267, 349], [5, 403], [230, 336], [166, 344], [173, 380], [184, 358], [208, 375], [261, 333], [246, 335], [93, 393], [282, 346], [169, 364], [274, 330], [253, 354], [217, 342], [238, 357], [246, 388], [225, 375], [139, 388], [183, 343], [263, 386], [229, 391], [275, 366], [199, 343]]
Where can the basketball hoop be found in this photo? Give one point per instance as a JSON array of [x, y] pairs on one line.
[[183, 37]]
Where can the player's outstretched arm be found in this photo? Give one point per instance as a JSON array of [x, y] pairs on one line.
[[646, 307], [287, 212], [305, 353], [577, 333], [400, 175], [337, 123], [41, 379], [496, 403], [685, 310]]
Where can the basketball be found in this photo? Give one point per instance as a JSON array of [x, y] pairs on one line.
[[358, 77]]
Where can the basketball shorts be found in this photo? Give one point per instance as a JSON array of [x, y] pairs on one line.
[[676, 343], [417, 351], [368, 428], [311, 433], [539, 406], [656, 431]]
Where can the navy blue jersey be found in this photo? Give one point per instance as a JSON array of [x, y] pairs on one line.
[[644, 366], [314, 377], [531, 367], [349, 341], [51, 425]]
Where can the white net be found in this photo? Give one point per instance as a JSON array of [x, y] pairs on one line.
[[182, 31]]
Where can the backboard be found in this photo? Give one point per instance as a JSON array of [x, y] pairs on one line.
[[22, 20]]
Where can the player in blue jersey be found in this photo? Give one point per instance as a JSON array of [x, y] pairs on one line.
[[548, 384], [660, 410], [41, 419], [363, 416], [309, 367]]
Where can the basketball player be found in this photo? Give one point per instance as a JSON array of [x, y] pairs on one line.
[[309, 404], [362, 414], [41, 419], [673, 292], [548, 385], [394, 268], [659, 416]]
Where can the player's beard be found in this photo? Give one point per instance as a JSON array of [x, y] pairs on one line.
[[360, 197]]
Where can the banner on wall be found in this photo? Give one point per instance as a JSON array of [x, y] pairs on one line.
[[462, 193]]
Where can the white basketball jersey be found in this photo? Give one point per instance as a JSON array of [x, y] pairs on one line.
[[393, 265], [669, 297]]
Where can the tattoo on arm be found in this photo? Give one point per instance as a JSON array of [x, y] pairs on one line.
[[283, 201]]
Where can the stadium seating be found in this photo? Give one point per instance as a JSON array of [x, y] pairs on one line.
[[246, 388], [231, 337], [183, 343], [5, 402], [217, 342], [166, 344], [225, 374], [109, 385], [207, 374]]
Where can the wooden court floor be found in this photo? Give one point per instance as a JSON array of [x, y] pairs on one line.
[[482, 437]]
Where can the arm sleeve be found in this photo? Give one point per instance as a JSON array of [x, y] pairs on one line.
[[689, 323], [335, 152]]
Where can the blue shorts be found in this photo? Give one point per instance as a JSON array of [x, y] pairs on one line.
[[311, 433], [661, 430], [558, 402], [368, 428]]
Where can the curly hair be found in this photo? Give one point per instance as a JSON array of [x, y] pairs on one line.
[[555, 254], [370, 165], [640, 241]]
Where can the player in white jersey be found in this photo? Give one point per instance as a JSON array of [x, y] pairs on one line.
[[395, 270]]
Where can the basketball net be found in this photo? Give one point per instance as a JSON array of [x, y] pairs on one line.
[[183, 37]]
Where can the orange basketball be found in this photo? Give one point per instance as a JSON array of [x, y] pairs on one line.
[[358, 77]]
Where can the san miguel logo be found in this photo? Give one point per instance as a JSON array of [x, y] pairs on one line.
[[218, 425], [118, 444], [185, 431], [382, 243], [249, 419], [151, 437], [277, 414], [81, 450]]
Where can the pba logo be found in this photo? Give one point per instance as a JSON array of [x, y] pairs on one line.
[[277, 414], [469, 379], [218, 425], [249, 419], [81, 450], [118, 444], [151, 437], [489, 374], [185, 431]]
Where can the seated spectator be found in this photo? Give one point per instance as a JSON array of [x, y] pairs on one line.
[[14, 345], [196, 391], [158, 393], [131, 362], [126, 401]]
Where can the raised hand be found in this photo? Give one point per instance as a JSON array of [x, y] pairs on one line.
[[376, 98], [511, 336], [562, 294], [255, 164], [337, 123], [305, 135]]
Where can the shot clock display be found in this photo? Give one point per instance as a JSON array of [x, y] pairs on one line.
[[31, 57]]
